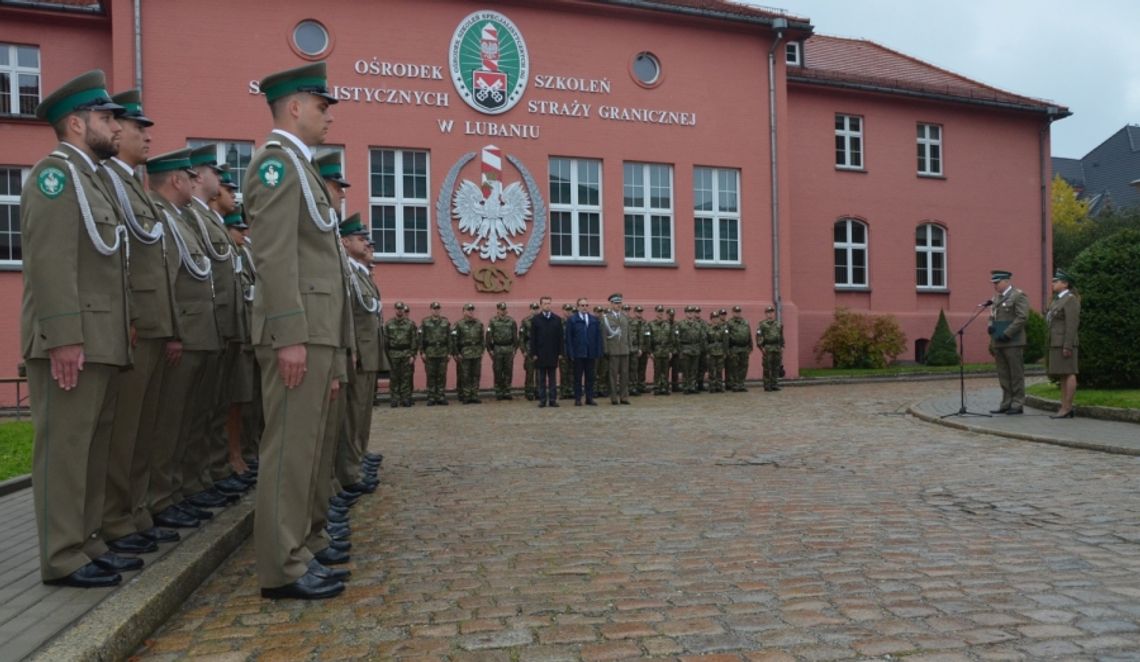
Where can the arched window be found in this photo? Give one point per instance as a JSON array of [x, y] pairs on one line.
[[850, 253], [930, 256]]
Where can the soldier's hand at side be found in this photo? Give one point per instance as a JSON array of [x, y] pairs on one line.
[[1067, 353], [66, 364], [334, 390], [291, 363], [173, 352], [134, 335]]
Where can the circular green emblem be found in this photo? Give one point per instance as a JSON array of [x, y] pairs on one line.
[[52, 181], [488, 62], [271, 171]]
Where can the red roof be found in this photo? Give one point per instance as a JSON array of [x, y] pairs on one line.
[[864, 62], [726, 7]]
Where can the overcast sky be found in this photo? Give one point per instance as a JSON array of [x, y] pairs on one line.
[[1083, 55]]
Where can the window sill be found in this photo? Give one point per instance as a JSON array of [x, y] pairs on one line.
[[718, 265], [11, 266], [639, 265], [21, 119], [927, 175], [839, 168], [933, 290], [852, 288], [389, 259], [576, 263]]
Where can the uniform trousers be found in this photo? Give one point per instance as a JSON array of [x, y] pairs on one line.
[[503, 364], [716, 373], [69, 463], [690, 368], [354, 434], [329, 485], [1010, 364], [218, 458], [289, 470], [171, 432], [128, 467], [773, 358], [400, 376], [435, 370], [469, 375], [199, 449], [661, 372], [619, 377]]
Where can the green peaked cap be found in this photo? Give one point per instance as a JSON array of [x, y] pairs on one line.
[[84, 92], [353, 226], [311, 78], [179, 159], [328, 165], [131, 101]]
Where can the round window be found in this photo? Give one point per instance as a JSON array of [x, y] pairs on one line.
[[311, 38], [646, 68]]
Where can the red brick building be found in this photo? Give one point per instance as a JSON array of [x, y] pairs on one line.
[[634, 142]]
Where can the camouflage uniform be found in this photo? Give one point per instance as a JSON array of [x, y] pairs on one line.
[[602, 367], [661, 343], [717, 350], [436, 347], [636, 386], [703, 361], [467, 340], [529, 389], [691, 343], [402, 344], [770, 340], [502, 341], [675, 363], [739, 347]]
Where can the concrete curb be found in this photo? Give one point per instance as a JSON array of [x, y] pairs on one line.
[[1085, 445], [15, 484], [1087, 411], [115, 628]]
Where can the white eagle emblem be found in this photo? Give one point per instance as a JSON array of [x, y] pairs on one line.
[[492, 220]]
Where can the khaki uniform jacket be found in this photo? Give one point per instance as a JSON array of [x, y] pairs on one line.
[[247, 281], [1064, 318], [366, 324], [301, 290], [151, 287], [73, 294], [1013, 307], [227, 284], [193, 298], [617, 337]]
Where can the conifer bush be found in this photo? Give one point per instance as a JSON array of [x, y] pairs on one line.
[[1107, 273], [943, 348]]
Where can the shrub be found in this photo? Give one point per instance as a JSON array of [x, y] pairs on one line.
[[855, 340], [1106, 274], [943, 348], [1036, 337]]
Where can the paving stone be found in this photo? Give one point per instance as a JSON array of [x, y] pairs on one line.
[[503, 639]]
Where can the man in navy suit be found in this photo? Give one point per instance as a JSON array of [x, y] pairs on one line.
[[583, 346]]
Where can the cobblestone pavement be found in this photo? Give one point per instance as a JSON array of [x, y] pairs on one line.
[[815, 523]]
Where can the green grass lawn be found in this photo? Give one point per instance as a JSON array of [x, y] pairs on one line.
[[893, 370], [1122, 398], [15, 449]]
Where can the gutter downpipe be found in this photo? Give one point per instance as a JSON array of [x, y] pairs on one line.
[[779, 25], [138, 45], [1051, 114]]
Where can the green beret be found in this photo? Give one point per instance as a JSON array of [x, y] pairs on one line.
[[328, 165], [353, 226], [736, 309], [770, 309], [131, 101], [1061, 275], [468, 306], [534, 306], [206, 155], [311, 78], [995, 276], [85, 92], [659, 308], [638, 309], [568, 307], [435, 305], [179, 159]]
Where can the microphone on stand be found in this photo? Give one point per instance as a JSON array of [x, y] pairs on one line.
[[985, 304]]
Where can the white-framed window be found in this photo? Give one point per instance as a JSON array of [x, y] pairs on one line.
[[793, 53], [398, 199], [929, 149], [716, 215], [19, 79], [849, 142], [234, 153], [850, 253], [648, 203], [930, 256], [11, 184], [575, 210]]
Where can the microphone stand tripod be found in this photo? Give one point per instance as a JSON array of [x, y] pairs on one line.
[[962, 411]]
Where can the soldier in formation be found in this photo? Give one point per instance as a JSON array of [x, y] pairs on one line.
[[502, 342], [770, 342], [403, 344], [436, 346], [467, 341]]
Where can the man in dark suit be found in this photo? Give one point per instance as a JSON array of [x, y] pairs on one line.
[[545, 348], [583, 346]]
